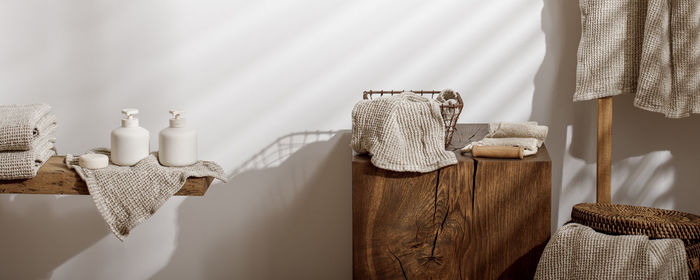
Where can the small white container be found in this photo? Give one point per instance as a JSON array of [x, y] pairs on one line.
[[177, 144], [93, 161], [130, 141]]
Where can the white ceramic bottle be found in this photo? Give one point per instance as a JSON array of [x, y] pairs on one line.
[[177, 144], [130, 141]]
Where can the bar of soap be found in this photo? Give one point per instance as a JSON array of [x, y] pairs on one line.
[[93, 161]]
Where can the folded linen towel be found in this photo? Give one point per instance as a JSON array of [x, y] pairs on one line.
[[21, 124], [518, 130], [530, 145], [126, 196], [578, 252], [25, 164], [403, 132]]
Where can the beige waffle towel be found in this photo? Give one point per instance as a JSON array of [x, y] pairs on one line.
[[528, 135], [22, 124], [402, 133], [651, 48], [25, 164], [125, 196], [518, 130], [578, 252]]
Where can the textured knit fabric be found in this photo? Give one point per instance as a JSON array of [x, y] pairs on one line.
[[518, 130], [578, 252], [403, 132], [25, 164], [125, 196], [21, 124], [530, 145], [528, 135], [647, 47]]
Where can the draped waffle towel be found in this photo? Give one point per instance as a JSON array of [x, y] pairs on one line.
[[25, 164], [403, 132], [651, 48], [20, 125], [578, 252], [125, 196]]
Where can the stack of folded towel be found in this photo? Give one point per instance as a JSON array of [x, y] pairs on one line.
[[27, 137], [529, 136]]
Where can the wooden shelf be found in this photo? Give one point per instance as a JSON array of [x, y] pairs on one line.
[[54, 177]]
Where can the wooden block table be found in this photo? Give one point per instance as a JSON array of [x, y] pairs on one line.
[[479, 219], [54, 177]]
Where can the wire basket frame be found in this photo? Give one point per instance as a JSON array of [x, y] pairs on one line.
[[450, 113]]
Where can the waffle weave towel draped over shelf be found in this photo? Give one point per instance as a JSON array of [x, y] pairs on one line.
[[650, 48], [125, 196]]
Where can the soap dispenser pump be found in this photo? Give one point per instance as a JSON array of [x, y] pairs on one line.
[[177, 144], [130, 141]]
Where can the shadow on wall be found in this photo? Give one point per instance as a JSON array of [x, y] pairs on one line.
[[639, 137], [35, 239], [284, 214], [555, 83]]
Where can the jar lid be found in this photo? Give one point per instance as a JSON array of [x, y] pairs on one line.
[[93, 161]]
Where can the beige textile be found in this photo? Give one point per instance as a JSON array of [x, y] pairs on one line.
[[518, 130], [528, 135], [20, 125], [578, 252], [403, 132], [647, 47], [125, 196], [25, 164]]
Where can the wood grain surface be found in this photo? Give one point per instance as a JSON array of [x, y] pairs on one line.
[[54, 177], [480, 219], [604, 150]]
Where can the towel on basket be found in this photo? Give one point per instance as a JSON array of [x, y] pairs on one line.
[[20, 125], [403, 132], [578, 252], [125, 196]]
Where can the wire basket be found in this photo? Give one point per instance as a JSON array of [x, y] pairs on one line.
[[450, 113]]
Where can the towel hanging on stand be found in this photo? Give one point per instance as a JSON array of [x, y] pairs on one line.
[[650, 48]]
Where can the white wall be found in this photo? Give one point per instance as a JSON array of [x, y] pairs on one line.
[[270, 85]]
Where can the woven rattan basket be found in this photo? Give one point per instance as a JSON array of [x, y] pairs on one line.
[[450, 113], [637, 220]]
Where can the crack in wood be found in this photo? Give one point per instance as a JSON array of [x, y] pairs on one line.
[[400, 264], [476, 164], [437, 185], [432, 257]]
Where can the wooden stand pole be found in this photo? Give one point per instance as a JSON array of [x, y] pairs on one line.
[[604, 164]]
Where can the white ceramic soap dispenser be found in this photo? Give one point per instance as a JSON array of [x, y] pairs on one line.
[[177, 144], [130, 141]]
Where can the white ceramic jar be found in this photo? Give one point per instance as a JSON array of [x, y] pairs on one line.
[[177, 144], [130, 141]]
